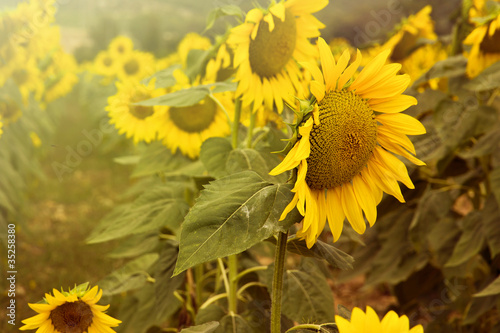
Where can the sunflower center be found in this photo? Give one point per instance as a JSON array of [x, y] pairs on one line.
[[131, 67], [141, 111], [72, 317], [491, 44], [20, 76], [343, 142], [194, 118], [270, 51], [107, 61]]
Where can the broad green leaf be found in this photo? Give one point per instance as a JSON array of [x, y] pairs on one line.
[[136, 245], [492, 289], [487, 80], [478, 307], [158, 158], [443, 238], [162, 206], [189, 96], [231, 215], [307, 297], [450, 67], [203, 328], [166, 304], [491, 217], [131, 276], [471, 241], [164, 78], [226, 10], [486, 145], [495, 183], [214, 153], [321, 250], [234, 324], [213, 312], [251, 159]]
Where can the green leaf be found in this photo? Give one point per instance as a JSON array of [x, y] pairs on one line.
[[203, 328], [251, 159], [127, 160], [307, 297], [486, 145], [166, 304], [161, 206], [234, 324], [321, 250], [495, 183], [231, 215], [214, 153], [158, 158], [491, 216], [189, 96], [492, 289], [226, 10], [487, 80], [450, 67], [164, 78], [131, 276], [471, 241], [136, 245]]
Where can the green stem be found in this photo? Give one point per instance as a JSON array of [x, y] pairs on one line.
[[198, 276], [233, 283], [250, 270], [236, 122], [253, 116], [279, 268]]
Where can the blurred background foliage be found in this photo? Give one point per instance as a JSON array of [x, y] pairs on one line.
[[435, 258]]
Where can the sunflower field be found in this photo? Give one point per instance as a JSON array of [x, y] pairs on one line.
[[267, 166]]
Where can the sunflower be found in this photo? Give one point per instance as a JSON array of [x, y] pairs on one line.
[[105, 64], [481, 8], [10, 110], [369, 322], [68, 312], [406, 37], [27, 77], [136, 121], [344, 152], [120, 46], [421, 60], [186, 128], [60, 76], [267, 47], [485, 46], [136, 66], [192, 41]]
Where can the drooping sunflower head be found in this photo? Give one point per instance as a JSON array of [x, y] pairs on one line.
[[192, 41], [266, 48], [120, 46], [369, 322], [75, 311], [185, 128], [344, 153], [485, 43], [135, 121]]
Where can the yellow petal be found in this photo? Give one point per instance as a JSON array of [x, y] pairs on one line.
[[365, 199], [327, 65], [370, 70], [352, 209], [270, 21], [278, 10], [339, 68], [394, 165], [41, 308], [402, 123], [397, 104], [349, 72], [335, 212]]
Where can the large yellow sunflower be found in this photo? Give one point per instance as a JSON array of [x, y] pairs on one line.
[[369, 322], [485, 46], [70, 312], [267, 47], [186, 128], [345, 151], [136, 121]]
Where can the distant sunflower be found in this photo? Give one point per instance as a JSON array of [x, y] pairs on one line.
[[10, 110], [192, 41], [369, 322], [406, 37], [421, 60], [135, 121], [27, 77], [105, 64], [136, 66], [60, 76], [267, 47], [71, 312], [120, 46], [344, 152], [485, 46], [481, 8], [186, 128]]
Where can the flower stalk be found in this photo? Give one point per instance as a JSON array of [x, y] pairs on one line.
[[279, 269]]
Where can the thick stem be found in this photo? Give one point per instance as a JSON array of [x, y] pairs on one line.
[[253, 116], [236, 122], [233, 283], [279, 269], [198, 276]]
